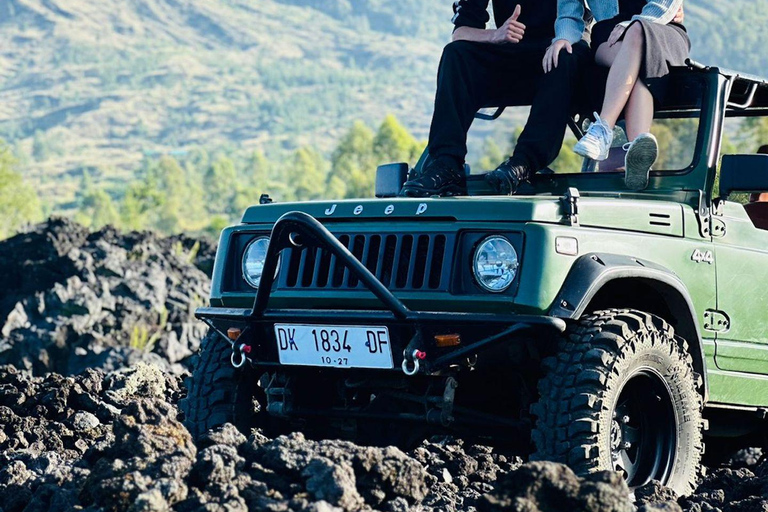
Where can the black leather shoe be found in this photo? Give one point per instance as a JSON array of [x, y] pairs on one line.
[[508, 176], [441, 177]]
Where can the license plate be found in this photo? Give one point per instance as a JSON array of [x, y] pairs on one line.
[[334, 346]]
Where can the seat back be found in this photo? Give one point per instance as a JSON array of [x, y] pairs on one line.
[[758, 213]]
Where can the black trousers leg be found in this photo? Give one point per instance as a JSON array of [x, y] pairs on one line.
[[474, 75], [543, 135]]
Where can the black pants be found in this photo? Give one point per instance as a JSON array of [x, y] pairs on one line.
[[476, 75]]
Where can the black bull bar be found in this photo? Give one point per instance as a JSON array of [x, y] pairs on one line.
[[298, 229]]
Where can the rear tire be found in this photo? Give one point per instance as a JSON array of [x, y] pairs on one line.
[[622, 395], [218, 393]]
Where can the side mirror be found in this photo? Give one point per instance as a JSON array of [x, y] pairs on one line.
[[390, 179], [743, 173]]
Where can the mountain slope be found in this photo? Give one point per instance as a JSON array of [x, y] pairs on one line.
[[99, 84]]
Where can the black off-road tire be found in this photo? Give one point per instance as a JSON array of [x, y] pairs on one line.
[[218, 393], [581, 387]]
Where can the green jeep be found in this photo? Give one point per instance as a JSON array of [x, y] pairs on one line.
[[579, 320]]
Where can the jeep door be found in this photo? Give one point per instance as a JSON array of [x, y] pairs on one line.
[[741, 319]]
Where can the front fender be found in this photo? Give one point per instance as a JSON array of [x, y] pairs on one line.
[[591, 272]]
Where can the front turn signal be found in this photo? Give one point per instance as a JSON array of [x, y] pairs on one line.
[[447, 340]]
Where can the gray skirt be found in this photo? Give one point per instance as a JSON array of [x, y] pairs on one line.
[[665, 46]]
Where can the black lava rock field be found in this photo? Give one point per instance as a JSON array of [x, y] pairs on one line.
[[96, 334]]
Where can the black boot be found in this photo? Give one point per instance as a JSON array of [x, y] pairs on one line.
[[508, 176], [443, 176]]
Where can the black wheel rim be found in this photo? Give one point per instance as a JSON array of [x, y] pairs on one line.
[[643, 429]]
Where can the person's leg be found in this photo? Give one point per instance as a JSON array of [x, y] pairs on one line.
[[606, 54], [643, 148], [625, 69], [625, 65], [466, 70], [461, 90], [639, 111], [542, 138]]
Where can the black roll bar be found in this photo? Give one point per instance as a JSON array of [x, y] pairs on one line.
[[298, 229]]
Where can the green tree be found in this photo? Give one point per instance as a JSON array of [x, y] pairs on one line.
[[754, 131], [393, 143], [142, 200], [19, 203], [305, 175], [219, 185], [492, 155], [258, 170], [97, 209], [353, 165], [567, 161]]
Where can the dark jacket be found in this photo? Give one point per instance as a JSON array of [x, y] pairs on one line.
[[538, 16]]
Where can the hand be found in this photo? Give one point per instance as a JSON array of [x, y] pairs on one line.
[[618, 31], [552, 56], [680, 16], [512, 31]]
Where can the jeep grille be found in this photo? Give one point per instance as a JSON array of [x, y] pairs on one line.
[[399, 261]]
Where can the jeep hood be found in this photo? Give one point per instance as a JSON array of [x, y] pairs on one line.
[[606, 212]]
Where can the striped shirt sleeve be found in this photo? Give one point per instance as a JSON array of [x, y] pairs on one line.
[[659, 11], [570, 20], [470, 13]]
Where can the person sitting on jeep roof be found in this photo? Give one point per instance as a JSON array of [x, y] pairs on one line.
[[484, 67], [638, 40]]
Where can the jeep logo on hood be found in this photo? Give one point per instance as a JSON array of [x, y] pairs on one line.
[[388, 209]]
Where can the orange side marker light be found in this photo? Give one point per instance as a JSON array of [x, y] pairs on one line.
[[447, 340]]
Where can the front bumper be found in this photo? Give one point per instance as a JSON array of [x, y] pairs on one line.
[[412, 331]]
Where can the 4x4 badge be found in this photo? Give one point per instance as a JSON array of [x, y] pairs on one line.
[[703, 256]]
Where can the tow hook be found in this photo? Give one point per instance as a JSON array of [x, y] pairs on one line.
[[412, 360], [239, 352]]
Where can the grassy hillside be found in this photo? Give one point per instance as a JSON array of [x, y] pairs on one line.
[[99, 85]]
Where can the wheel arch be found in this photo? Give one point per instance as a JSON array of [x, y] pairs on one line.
[[599, 281]]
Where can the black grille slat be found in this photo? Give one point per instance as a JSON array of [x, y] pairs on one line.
[[417, 261], [316, 269], [358, 250], [412, 262], [392, 283], [436, 262]]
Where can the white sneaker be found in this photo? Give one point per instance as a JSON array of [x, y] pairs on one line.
[[641, 155], [596, 143]]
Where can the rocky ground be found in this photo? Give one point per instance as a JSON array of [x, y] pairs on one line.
[[73, 300], [110, 438]]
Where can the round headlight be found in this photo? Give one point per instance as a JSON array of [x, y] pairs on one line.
[[253, 261], [495, 264]]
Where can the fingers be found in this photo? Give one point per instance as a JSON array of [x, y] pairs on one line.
[[516, 13], [614, 38], [568, 47], [515, 33], [556, 57], [545, 60]]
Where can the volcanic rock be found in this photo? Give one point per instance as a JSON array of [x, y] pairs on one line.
[[75, 300]]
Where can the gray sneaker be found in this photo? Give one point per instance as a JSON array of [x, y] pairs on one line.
[[641, 155]]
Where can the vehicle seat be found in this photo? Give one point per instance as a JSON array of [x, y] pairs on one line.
[[757, 208]]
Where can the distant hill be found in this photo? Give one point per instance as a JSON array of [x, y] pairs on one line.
[[97, 85]]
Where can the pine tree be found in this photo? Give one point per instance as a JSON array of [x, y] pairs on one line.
[[393, 143], [306, 175], [353, 166]]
